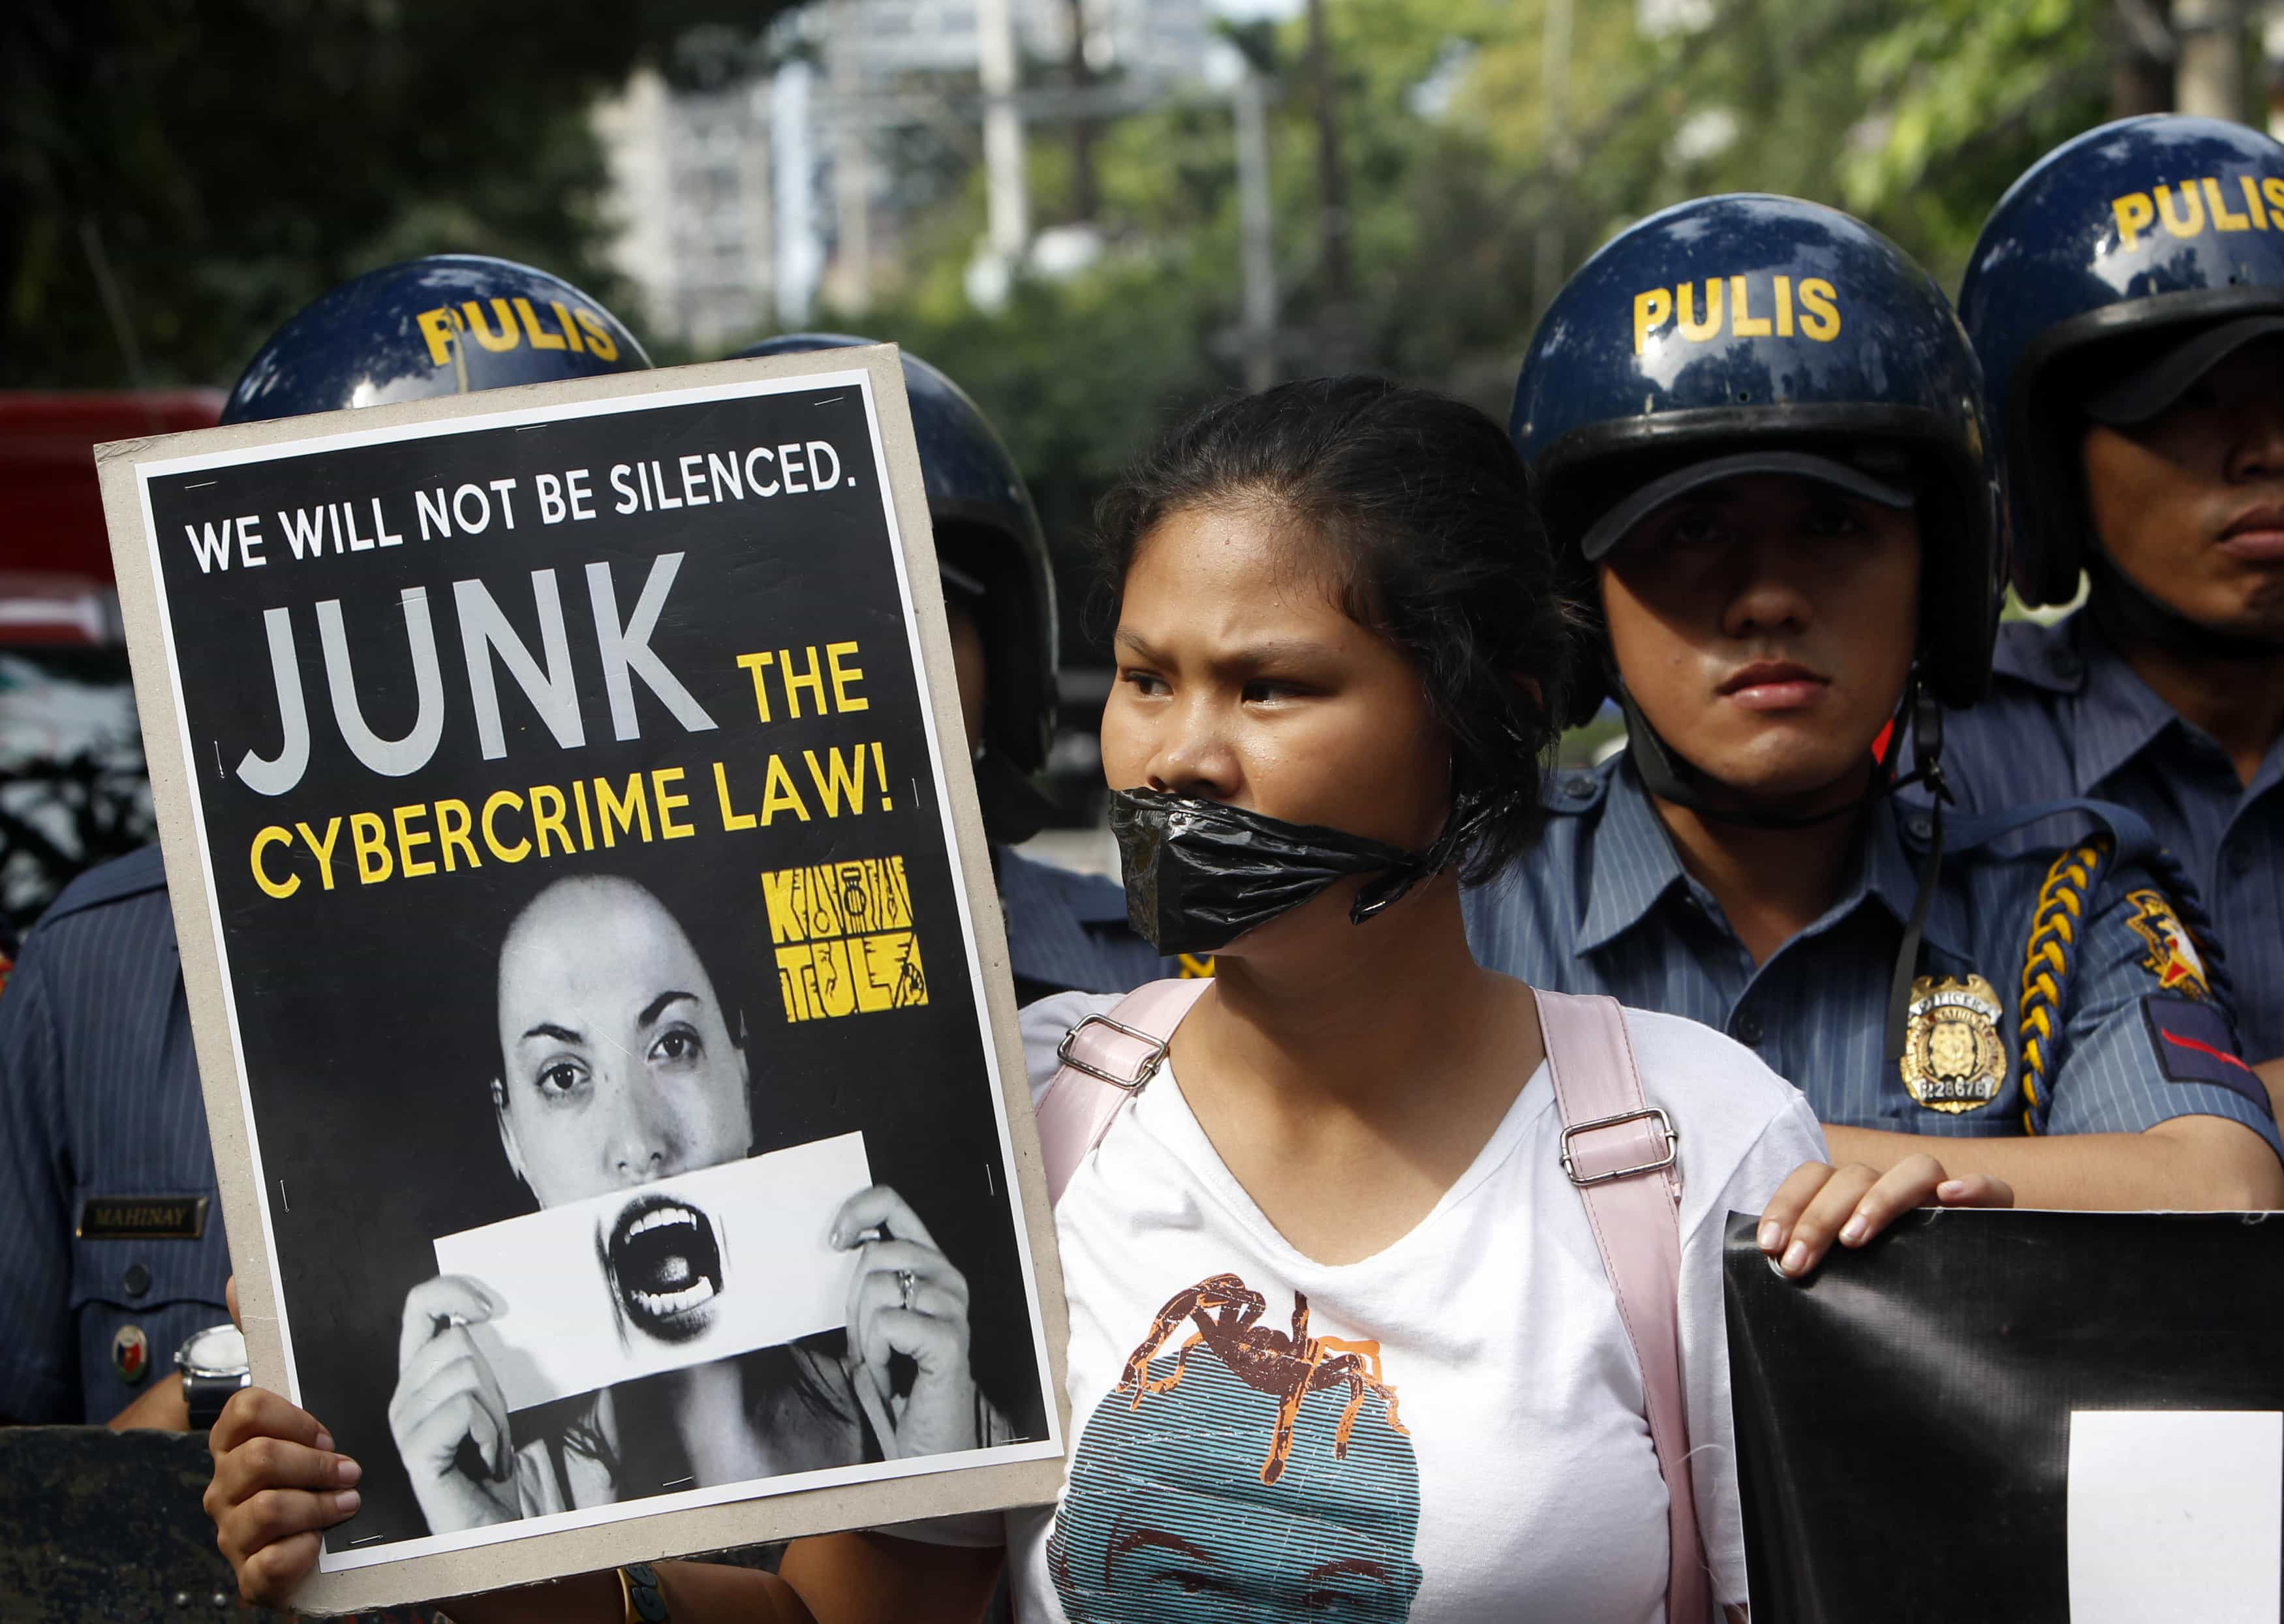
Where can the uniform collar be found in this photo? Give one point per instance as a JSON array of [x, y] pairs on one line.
[[2113, 715], [1637, 863], [1894, 849]]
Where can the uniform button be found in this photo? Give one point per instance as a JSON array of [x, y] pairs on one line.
[[2240, 862], [1919, 826], [2065, 664], [1578, 785], [1748, 1028], [135, 1281]]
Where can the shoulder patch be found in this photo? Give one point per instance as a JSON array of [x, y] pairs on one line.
[[2194, 1042], [2172, 956]]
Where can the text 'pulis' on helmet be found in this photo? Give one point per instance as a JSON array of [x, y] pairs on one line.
[[2125, 240], [1766, 328], [989, 544], [448, 324]]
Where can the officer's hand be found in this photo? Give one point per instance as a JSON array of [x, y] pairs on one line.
[[162, 1408], [446, 1396], [1819, 1202], [276, 1482]]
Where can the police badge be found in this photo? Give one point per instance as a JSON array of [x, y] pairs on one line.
[[1953, 1057]]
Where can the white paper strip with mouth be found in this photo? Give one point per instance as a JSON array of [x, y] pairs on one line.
[[692, 1269]]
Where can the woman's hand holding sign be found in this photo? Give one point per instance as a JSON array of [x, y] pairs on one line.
[[447, 1400], [906, 1298], [1820, 1204]]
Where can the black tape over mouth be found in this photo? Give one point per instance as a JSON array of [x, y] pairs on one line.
[[665, 1263]]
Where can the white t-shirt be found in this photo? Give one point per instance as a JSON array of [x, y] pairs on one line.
[[1497, 1462]]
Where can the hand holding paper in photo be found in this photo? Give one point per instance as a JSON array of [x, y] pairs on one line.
[[700, 1266]]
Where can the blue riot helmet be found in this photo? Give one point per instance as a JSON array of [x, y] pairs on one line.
[[2132, 258], [993, 556], [1757, 333], [446, 325]]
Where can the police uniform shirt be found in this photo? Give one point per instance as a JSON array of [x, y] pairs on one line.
[[2068, 717], [1603, 905], [111, 1232], [1068, 931]]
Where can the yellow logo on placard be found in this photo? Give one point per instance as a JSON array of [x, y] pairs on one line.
[[2254, 203], [512, 323], [1725, 306], [844, 939]]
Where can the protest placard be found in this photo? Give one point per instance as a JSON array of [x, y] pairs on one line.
[[579, 883], [2035, 1416]]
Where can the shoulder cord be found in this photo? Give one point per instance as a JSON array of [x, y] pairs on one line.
[[2047, 962]]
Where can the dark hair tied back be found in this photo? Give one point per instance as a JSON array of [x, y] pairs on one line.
[[1436, 543]]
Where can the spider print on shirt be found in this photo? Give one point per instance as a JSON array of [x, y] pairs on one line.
[[1288, 1368], [1252, 1475]]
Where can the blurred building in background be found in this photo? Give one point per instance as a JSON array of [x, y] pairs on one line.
[[742, 207]]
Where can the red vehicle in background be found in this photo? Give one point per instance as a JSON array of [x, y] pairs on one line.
[[73, 791]]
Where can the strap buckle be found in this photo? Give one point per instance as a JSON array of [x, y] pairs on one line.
[[1154, 1054], [1652, 1114]]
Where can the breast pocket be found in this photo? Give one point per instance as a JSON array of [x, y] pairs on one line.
[[136, 1297]]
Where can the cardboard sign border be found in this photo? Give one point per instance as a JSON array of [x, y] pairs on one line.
[[986, 1486]]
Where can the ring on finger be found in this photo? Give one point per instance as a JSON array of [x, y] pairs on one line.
[[906, 1281]]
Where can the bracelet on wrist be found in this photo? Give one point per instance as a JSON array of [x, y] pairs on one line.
[[639, 1586]]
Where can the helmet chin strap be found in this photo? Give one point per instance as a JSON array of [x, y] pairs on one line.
[[1667, 776], [2129, 615]]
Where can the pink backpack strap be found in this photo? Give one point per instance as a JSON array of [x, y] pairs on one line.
[[1106, 1060], [1621, 1153]]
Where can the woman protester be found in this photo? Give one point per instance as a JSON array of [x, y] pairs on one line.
[[1757, 433], [1341, 655], [620, 1068]]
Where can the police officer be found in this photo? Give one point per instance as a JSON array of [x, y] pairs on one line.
[[1757, 432], [2127, 299], [111, 1234], [1066, 932]]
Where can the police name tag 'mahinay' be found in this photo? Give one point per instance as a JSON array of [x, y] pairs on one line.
[[141, 1218], [664, 1275]]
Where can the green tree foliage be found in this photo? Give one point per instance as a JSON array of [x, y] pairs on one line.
[[1913, 114], [176, 177], [1970, 92]]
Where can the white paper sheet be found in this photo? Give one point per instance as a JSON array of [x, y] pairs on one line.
[[574, 1322], [2176, 1516]]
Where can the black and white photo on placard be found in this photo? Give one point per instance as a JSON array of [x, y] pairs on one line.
[[606, 1025]]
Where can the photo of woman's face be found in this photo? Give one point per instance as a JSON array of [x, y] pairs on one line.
[[617, 1064]]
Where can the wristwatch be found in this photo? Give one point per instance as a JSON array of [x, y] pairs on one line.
[[213, 1363]]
